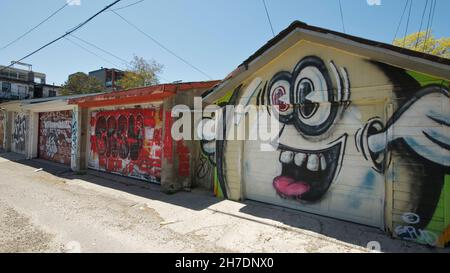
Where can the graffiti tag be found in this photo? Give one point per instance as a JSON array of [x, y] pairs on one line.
[[410, 233], [127, 142], [20, 131]]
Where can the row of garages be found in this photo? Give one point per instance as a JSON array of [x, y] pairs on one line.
[[362, 133], [126, 133], [38, 128]]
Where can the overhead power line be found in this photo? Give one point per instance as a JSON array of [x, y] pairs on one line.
[[430, 23], [91, 52], [101, 49], [401, 19], [407, 23], [62, 36], [35, 27], [434, 13], [432, 16], [421, 23], [429, 18], [105, 51], [127, 6], [161, 45], [268, 17], [342, 16]]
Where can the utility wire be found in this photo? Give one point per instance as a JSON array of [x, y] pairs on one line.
[[35, 27], [62, 36], [421, 23], [124, 7], [434, 13], [407, 23], [400, 22], [430, 23], [91, 52], [432, 18], [342, 16], [268, 18], [105, 51], [101, 49], [161, 45]]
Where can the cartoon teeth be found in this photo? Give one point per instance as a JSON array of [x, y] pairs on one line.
[[286, 157], [299, 159], [323, 163], [313, 163]]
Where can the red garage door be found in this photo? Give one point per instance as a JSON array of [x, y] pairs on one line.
[[127, 142], [55, 136]]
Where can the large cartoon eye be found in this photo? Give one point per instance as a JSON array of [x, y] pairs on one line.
[[279, 97], [312, 94]]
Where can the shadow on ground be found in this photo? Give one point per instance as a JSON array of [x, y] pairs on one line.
[[344, 231], [125, 184], [292, 220]]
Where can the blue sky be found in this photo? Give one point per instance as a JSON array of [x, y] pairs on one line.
[[213, 35]]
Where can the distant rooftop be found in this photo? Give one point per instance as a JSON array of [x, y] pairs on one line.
[[141, 94]]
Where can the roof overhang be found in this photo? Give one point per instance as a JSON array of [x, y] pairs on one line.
[[49, 106], [111, 101], [139, 95], [12, 106], [406, 59], [42, 104]]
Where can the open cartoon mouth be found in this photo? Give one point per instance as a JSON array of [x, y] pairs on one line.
[[307, 174]]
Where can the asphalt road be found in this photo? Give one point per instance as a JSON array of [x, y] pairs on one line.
[[53, 210]]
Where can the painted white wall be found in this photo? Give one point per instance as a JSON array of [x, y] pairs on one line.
[[33, 138]]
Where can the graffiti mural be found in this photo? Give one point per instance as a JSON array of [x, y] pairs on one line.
[[74, 146], [306, 173], [55, 136], [2, 130], [203, 168], [127, 142], [168, 147], [20, 132], [339, 142], [411, 233]]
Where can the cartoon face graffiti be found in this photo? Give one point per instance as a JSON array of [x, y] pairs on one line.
[[310, 102], [338, 139], [313, 104]]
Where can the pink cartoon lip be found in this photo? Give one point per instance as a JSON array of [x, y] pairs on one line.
[[307, 175], [289, 187]]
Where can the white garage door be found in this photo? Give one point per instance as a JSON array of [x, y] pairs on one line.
[[329, 178]]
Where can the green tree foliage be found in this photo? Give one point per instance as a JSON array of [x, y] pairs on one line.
[[141, 73], [419, 41], [81, 83]]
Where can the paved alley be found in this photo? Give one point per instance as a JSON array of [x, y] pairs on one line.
[[47, 208]]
